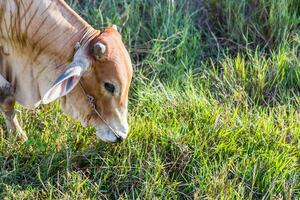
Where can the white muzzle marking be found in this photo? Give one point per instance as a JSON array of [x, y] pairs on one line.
[[105, 133]]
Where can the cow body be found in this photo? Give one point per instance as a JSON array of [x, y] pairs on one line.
[[32, 56], [37, 40]]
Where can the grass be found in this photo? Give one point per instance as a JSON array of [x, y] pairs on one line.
[[214, 109]]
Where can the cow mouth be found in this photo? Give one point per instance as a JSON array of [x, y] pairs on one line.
[[107, 135]]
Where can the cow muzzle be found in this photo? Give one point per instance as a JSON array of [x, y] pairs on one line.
[[112, 134]]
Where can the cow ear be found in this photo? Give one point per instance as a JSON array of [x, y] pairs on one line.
[[67, 81], [64, 84]]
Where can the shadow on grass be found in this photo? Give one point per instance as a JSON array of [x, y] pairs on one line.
[[60, 172]]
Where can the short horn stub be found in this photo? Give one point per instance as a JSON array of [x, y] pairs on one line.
[[99, 50]]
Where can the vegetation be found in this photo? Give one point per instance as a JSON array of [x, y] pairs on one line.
[[214, 109]]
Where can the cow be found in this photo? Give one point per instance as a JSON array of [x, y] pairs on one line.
[[48, 52]]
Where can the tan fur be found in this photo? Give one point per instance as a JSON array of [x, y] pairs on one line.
[[37, 40], [36, 44]]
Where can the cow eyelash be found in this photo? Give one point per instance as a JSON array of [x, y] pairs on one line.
[[109, 87]]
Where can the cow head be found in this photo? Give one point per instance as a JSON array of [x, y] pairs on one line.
[[103, 68]]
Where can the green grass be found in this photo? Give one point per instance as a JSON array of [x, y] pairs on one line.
[[214, 109]]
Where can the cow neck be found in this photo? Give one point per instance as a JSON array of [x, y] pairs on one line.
[[56, 31], [85, 32], [88, 36]]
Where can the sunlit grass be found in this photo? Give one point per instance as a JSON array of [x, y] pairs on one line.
[[214, 110]]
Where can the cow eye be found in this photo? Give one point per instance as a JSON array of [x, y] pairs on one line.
[[109, 87]]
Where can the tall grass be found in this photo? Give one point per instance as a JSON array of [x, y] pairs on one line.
[[214, 110], [267, 25]]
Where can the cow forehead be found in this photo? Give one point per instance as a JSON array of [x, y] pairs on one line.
[[117, 58]]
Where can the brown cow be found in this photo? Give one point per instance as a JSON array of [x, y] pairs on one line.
[[48, 52]]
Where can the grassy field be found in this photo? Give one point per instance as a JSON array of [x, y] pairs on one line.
[[214, 109]]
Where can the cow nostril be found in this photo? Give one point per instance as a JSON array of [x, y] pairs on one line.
[[119, 140]]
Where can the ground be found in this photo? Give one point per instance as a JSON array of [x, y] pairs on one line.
[[214, 109]]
